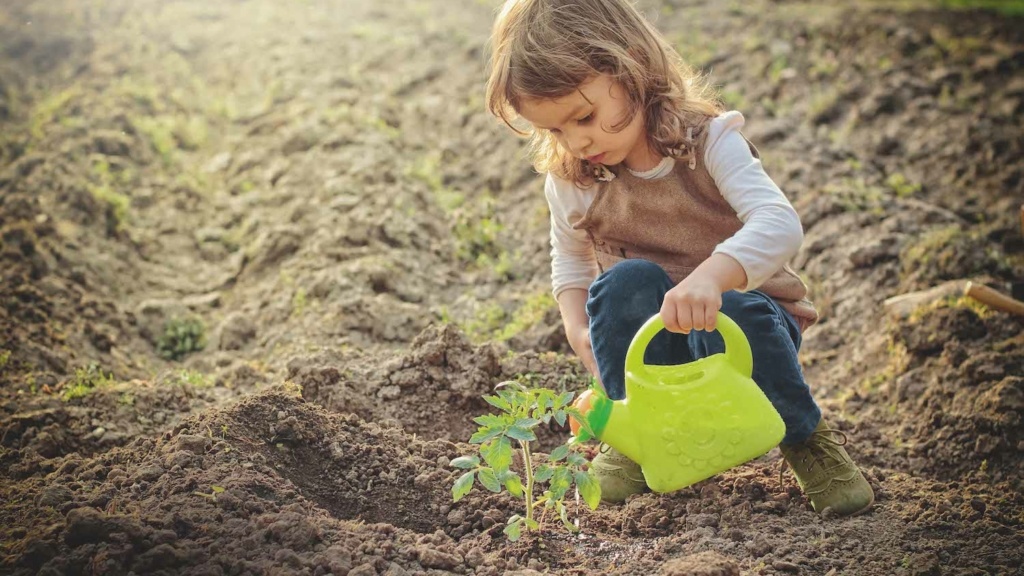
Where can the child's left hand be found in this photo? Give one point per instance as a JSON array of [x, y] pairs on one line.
[[692, 305]]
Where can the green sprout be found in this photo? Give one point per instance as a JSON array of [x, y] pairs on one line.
[[85, 381], [522, 410], [181, 336]]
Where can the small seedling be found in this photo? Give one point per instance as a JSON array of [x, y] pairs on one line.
[[85, 380], [181, 336], [195, 379], [214, 491], [522, 410]]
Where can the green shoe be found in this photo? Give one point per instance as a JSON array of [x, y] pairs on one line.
[[618, 476], [827, 474]]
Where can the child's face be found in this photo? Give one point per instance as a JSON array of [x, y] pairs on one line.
[[583, 121]]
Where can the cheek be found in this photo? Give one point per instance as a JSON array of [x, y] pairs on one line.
[[636, 125]]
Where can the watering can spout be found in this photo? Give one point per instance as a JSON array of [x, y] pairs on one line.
[[609, 421], [620, 432]]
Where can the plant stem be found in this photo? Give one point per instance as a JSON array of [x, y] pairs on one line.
[[529, 480]]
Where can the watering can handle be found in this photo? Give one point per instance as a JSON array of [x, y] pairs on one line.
[[737, 349]]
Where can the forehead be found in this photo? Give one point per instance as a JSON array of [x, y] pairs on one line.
[[555, 111]]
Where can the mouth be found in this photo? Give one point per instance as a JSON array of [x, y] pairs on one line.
[[596, 159]]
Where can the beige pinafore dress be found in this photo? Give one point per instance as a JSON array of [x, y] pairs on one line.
[[676, 221]]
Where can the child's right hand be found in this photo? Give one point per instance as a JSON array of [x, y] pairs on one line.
[[694, 303]]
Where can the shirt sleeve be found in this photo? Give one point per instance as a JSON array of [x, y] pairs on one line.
[[772, 233], [573, 264]]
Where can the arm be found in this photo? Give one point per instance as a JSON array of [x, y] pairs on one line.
[[572, 304], [573, 266], [770, 236]]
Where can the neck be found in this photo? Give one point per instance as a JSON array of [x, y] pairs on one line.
[[642, 158]]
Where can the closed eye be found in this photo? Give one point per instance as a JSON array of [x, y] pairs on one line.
[[586, 119]]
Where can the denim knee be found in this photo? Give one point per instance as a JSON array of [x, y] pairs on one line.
[[628, 282], [620, 300]]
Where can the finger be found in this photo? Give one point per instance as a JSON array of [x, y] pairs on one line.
[[685, 319], [698, 316], [710, 318], [668, 317]]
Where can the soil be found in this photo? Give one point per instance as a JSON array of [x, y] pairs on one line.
[[363, 252]]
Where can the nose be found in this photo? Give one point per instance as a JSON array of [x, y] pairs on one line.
[[578, 141]]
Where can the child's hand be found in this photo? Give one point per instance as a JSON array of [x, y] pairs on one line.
[[580, 342], [692, 305]]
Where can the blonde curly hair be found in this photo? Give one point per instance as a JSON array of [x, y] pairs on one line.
[[545, 49]]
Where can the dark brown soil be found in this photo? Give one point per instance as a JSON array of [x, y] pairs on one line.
[[317, 184]]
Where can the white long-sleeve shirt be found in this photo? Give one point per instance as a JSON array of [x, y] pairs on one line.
[[771, 232]]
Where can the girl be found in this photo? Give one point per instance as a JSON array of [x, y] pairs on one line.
[[659, 205]]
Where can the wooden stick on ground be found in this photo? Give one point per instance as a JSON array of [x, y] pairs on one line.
[[994, 299]]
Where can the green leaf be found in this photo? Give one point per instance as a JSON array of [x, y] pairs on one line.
[[563, 514], [559, 453], [521, 434], [526, 423], [485, 434], [489, 421], [489, 480], [497, 453], [508, 397], [560, 483], [577, 460], [589, 488], [465, 462], [543, 473], [514, 486], [545, 398], [560, 417], [513, 531], [564, 399], [498, 402], [532, 524], [462, 486]]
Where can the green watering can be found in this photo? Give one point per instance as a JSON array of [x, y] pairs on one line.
[[683, 424]]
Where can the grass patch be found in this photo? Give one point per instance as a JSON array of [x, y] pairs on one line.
[[1006, 7], [477, 234], [181, 337], [824, 105], [427, 169], [902, 187], [116, 205], [950, 252], [494, 323], [85, 381], [44, 113], [856, 195], [299, 301], [194, 379]]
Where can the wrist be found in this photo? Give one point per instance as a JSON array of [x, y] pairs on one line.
[[724, 272]]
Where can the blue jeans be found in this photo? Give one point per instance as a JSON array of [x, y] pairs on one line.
[[629, 293]]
